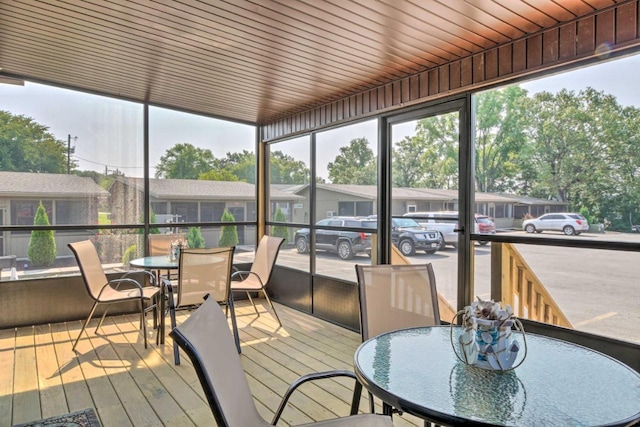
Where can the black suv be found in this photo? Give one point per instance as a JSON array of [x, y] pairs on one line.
[[344, 243], [408, 235]]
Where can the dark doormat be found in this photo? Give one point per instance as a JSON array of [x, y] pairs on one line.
[[84, 418]]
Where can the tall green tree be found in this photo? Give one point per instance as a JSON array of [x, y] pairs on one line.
[[440, 137], [408, 170], [280, 230], [194, 238], [42, 245], [285, 169], [26, 146], [241, 165], [356, 164], [564, 149], [229, 234], [499, 137], [184, 161]]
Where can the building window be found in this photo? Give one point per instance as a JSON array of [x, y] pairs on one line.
[[23, 212]]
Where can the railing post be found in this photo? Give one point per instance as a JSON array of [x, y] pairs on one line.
[[497, 274]]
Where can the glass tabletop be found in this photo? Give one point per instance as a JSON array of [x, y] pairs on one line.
[[160, 262], [558, 383]]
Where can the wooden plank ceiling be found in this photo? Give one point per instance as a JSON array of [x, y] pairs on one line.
[[258, 60]]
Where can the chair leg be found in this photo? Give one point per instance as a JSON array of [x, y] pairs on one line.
[[93, 309], [272, 307], [144, 324], [156, 302], [172, 315], [102, 319], [234, 324], [252, 303], [355, 402]]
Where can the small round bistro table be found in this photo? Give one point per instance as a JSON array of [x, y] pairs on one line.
[[559, 383], [157, 263]]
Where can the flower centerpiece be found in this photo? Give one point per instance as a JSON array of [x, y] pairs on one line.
[[176, 247], [486, 340]]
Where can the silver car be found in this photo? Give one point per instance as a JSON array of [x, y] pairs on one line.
[[570, 224]]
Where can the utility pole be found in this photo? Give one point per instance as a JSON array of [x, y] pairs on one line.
[[75, 138]]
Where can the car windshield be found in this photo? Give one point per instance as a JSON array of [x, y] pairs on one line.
[[369, 224], [484, 220], [405, 222]]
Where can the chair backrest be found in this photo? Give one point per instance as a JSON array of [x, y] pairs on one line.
[[90, 266], [206, 339], [202, 272], [160, 244], [266, 255], [395, 297]]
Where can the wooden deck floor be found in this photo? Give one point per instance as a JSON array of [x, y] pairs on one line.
[[129, 386]]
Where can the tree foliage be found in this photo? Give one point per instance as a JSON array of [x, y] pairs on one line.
[[26, 146], [356, 164], [229, 235], [194, 238], [42, 245], [239, 166], [184, 161], [285, 169], [499, 138], [280, 230], [428, 159]]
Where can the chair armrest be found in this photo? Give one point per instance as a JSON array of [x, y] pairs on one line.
[[152, 277], [241, 273], [357, 391], [117, 283]]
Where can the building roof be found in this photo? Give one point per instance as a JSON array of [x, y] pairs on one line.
[[430, 194], [48, 185], [525, 200], [188, 189]]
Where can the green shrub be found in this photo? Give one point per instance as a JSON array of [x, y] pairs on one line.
[[591, 219], [194, 238], [42, 245], [152, 219], [229, 236], [280, 230], [129, 254]]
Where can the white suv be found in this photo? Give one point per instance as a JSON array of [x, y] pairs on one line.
[[569, 223]]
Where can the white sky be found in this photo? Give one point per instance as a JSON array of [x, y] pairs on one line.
[[109, 132]]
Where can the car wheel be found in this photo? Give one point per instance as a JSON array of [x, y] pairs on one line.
[[530, 228], [406, 247], [569, 230], [344, 250], [302, 245], [441, 244]]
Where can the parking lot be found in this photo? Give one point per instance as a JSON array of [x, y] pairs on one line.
[[598, 290]]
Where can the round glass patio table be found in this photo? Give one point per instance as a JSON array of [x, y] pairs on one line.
[[559, 383], [157, 263]]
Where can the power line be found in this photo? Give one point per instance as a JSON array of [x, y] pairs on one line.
[[110, 166]]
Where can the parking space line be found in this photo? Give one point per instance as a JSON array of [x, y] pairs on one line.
[[596, 319]]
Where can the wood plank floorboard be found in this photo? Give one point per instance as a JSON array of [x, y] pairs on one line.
[[129, 385]]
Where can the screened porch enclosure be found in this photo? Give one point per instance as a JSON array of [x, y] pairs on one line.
[[226, 120]]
